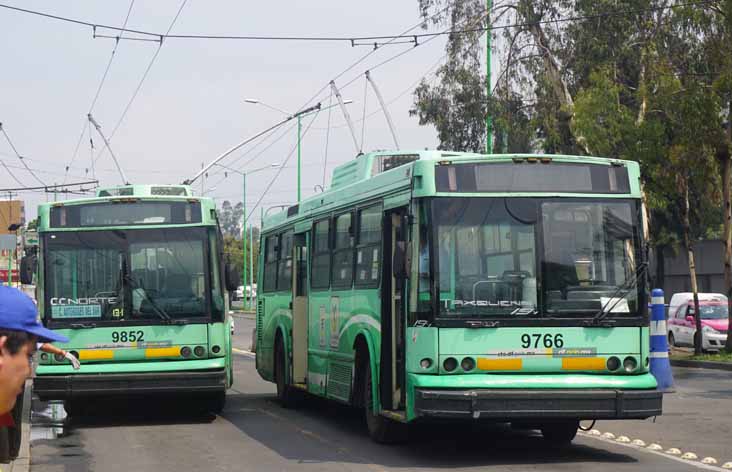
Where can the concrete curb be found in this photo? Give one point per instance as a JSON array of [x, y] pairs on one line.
[[702, 364], [22, 463]]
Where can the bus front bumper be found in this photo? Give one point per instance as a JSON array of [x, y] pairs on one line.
[[63, 387], [508, 404]]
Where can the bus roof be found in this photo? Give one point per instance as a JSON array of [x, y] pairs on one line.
[[388, 174], [134, 193]]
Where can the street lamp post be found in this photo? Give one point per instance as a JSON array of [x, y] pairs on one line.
[[299, 115], [244, 226]]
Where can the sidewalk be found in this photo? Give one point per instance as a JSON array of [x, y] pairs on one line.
[[680, 357]]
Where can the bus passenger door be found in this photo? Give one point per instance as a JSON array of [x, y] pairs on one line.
[[393, 297], [300, 309]]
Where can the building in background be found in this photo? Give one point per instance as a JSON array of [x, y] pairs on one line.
[[11, 212]]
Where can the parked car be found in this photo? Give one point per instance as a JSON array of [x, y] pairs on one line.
[[714, 320], [239, 293]]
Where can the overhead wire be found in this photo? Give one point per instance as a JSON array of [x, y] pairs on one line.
[[281, 168], [100, 86], [352, 40], [20, 158], [142, 80]]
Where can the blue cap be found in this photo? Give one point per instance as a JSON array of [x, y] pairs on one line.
[[18, 313]]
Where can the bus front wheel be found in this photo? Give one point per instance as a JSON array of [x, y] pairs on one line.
[[382, 430], [560, 432], [286, 395]]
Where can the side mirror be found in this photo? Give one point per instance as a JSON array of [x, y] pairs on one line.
[[28, 266], [399, 263], [232, 277]]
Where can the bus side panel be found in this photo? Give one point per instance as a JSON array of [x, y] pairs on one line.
[[319, 315], [277, 314]]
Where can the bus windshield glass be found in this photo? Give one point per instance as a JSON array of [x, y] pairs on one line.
[[123, 276], [533, 257]]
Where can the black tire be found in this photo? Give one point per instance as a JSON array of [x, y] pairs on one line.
[[286, 395], [560, 433], [382, 430], [671, 340]]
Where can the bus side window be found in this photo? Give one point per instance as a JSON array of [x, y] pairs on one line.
[[368, 252], [284, 271], [270, 263], [342, 270], [320, 267]]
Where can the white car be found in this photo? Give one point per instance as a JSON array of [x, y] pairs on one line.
[[239, 293]]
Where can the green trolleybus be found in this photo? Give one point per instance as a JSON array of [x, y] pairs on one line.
[[134, 278], [434, 285]]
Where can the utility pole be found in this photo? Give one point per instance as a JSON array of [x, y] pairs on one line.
[[488, 118], [244, 236], [251, 266]]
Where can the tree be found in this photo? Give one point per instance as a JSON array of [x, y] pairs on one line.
[[230, 218]]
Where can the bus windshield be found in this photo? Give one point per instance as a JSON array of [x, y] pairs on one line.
[[121, 276], [531, 257]]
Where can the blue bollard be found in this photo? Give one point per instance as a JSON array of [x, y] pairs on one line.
[[660, 364]]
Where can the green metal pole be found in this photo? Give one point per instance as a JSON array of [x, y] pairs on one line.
[[488, 118], [244, 237], [299, 129], [251, 267]]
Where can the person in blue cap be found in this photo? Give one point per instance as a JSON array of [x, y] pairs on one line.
[[20, 330]]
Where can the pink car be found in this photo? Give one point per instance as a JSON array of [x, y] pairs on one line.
[[682, 325]]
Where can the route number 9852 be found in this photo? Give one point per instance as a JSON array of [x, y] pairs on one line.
[[541, 340], [127, 336]]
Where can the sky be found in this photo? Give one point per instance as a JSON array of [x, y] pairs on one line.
[[191, 106]]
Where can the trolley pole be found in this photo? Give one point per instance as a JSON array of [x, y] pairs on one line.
[[488, 118], [299, 157]]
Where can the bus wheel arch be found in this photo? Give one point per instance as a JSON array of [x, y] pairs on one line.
[[287, 396], [364, 353]]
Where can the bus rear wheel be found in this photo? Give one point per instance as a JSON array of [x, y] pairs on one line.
[[286, 395], [560, 432], [382, 430], [215, 402]]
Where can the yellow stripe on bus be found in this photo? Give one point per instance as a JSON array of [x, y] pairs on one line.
[[499, 364], [583, 363], [162, 352], [95, 354]]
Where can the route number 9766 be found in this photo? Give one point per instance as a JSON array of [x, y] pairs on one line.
[[537, 340]]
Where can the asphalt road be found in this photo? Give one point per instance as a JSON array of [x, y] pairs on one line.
[[255, 434]]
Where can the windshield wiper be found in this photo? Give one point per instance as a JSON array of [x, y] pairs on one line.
[[625, 288], [158, 311]]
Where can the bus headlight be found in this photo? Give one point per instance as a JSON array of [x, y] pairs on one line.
[[185, 351], [425, 363], [450, 364], [630, 364], [199, 351], [215, 349], [613, 363], [44, 357], [59, 357], [467, 364]]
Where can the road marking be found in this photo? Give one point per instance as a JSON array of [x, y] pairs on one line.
[[243, 351], [652, 450]]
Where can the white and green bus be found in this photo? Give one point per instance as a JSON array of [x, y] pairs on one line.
[[429, 284], [135, 278]]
